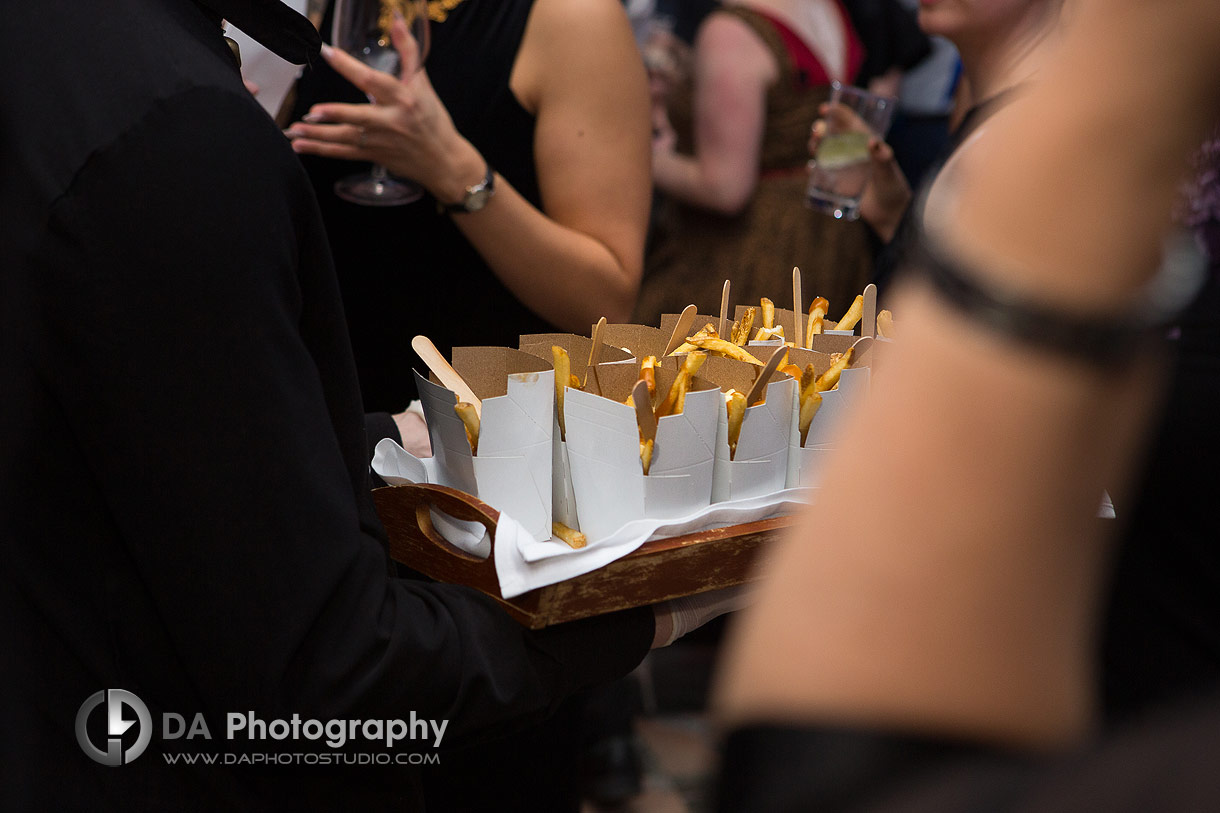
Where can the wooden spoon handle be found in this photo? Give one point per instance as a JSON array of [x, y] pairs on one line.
[[798, 308], [445, 373], [868, 321], [764, 374], [596, 350], [681, 329], [724, 309]]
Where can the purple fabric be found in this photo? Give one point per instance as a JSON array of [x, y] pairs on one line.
[[1200, 199]]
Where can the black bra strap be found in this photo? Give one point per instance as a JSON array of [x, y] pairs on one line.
[[1097, 340]]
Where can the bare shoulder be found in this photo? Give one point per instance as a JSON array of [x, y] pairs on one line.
[[724, 28], [727, 40], [564, 19], [569, 41]]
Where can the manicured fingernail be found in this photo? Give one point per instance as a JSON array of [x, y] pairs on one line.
[[398, 15], [312, 117], [327, 51]]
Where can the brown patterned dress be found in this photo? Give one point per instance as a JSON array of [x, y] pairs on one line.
[[692, 250]]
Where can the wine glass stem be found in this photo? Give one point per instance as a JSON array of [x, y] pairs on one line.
[[380, 174]]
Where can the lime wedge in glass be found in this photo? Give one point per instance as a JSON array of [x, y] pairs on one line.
[[841, 150]]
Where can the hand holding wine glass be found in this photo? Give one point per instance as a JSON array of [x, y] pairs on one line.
[[380, 48]]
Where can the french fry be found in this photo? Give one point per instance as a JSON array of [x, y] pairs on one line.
[[741, 330], [809, 408], [573, 381], [563, 379], [645, 421], [470, 419], [808, 379], [676, 398], [766, 334], [810, 400], [885, 324], [830, 379], [648, 374], [573, 537], [792, 370], [735, 404], [722, 348], [852, 317], [814, 328], [708, 331], [667, 403], [768, 312], [691, 366], [817, 314]]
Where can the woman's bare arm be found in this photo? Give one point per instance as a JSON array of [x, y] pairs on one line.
[[578, 70], [948, 578], [733, 70]]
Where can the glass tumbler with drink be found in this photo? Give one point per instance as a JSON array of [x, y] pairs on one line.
[[841, 167]]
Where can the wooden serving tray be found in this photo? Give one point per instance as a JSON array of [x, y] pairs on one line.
[[658, 570]]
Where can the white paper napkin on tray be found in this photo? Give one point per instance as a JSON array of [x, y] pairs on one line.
[[397, 466], [524, 563]]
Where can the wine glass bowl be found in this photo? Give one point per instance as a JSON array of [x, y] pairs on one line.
[[362, 29]]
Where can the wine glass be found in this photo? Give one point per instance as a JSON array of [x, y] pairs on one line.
[[362, 28]]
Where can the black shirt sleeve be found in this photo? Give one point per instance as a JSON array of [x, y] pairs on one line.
[[377, 427]]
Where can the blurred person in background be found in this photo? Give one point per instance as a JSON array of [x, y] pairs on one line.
[[928, 640], [927, 94], [1000, 46], [729, 162], [893, 43], [1162, 636]]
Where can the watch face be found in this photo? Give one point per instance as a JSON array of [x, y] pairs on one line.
[[477, 199]]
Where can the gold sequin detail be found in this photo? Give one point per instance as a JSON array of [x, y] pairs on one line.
[[438, 12]]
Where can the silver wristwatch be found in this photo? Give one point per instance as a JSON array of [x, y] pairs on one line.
[[476, 196]]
